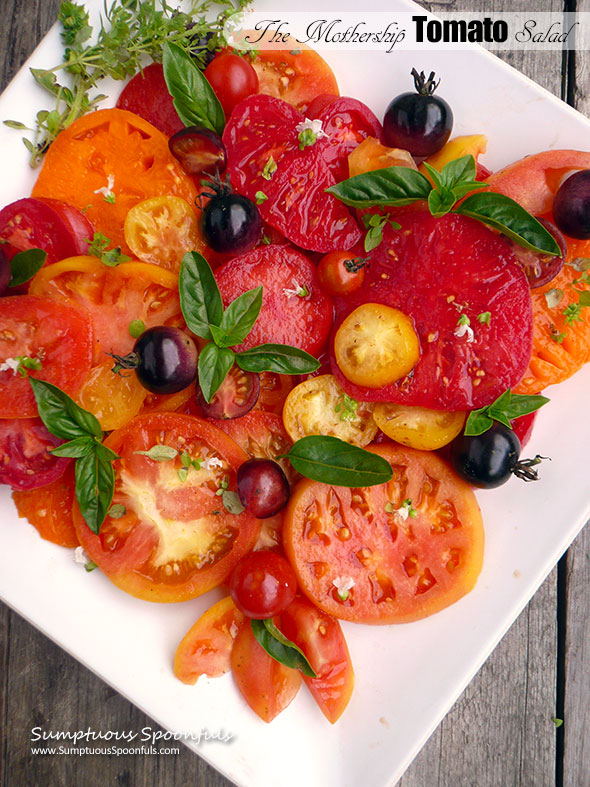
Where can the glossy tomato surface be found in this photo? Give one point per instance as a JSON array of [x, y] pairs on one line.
[[147, 95], [176, 540], [232, 78], [285, 318], [438, 271], [262, 128], [262, 584], [25, 461], [49, 509], [59, 335], [403, 567]]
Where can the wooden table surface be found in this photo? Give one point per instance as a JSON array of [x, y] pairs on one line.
[[499, 733]]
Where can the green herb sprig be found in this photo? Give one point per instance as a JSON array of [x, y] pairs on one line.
[[202, 307], [95, 477], [279, 647], [506, 407]]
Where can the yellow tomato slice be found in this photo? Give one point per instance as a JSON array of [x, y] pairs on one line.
[[376, 345], [320, 406], [418, 427], [113, 398], [371, 155]]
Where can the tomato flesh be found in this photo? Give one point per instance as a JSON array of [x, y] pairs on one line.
[[25, 461], [147, 95], [49, 509]]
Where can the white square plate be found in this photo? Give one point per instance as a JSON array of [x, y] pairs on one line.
[[408, 676]]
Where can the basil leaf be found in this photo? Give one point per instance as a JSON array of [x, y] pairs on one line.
[[213, 366], [435, 176], [388, 186], [200, 299], [457, 171], [193, 96], [510, 218], [523, 405], [74, 449], [332, 461], [159, 453], [477, 423], [440, 203], [231, 502], [25, 264], [279, 647], [505, 409], [461, 189], [61, 415], [280, 358], [239, 317], [95, 486]]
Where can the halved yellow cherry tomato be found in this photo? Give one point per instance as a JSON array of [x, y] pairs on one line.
[[418, 427], [161, 230], [320, 406], [371, 155], [376, 345], [113, 398]]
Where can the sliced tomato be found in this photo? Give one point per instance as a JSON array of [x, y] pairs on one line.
[[263, 130], [321, 638], [113, 296], [206, 647], [176, 540], [113, 398], [438, 271], [49, 509], [147, 95], [297, 74], [25, 461], [285, 317], [49, 224], [274, 389], [401, 567], [60, 336], [267, 686], [108, 161]]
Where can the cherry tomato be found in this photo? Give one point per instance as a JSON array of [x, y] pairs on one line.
[[572, 205], [232, 78], [58, 336], [25, 461], [486, 460], [5, 272], [376, 345], [161, 230], [340, 272], [206, 647], [147, 95], [320, 406], [176, 540], [199, 150], [523, 427], [231, 223], [391, 553], [267, 685], [321, 638], [262, 584], [164, 359], [113, 398], [235, 397], [418, 427], [285, 317], [49, 509], [263, 487]]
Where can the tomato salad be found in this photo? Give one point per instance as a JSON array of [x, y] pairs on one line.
[[253, 336]]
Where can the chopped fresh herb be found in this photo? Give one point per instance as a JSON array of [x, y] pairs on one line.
[[136, 328], [374, 224], [346, 408], [265, 240], [463, 320], [25, 362], [295, 51], [117, 510], [556, 335], [260, 197], [557, 722], [484, 318], [407, 504], [90, 566], [307, 137], [110, 198], [553, 297], [231, 502], [573, 312], [580, 264], [182, 473], [159, 453], [98, 247], [269, 169]]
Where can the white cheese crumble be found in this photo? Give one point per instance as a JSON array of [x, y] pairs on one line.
[[80, 557], [464, 330], [10, 363], [211, 461]]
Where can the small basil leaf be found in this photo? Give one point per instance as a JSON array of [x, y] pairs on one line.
[[24, 265], [200, 299], [388, 186], [95, 486], [477, 423], [435, 176], [193, 96], [461, 189], [74, 449], [240, 316], [279, 647], [507, 216], [159, 453], [61, 415], [279, 358], [213, 366], [332, 461], [231, 502], [457, 171], [440, 203], [523, 405]]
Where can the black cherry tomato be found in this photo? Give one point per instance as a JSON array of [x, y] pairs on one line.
[[262, 584], [571, 207], [263, 487], [199, 150]]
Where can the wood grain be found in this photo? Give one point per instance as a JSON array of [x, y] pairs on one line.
[[500, 733]]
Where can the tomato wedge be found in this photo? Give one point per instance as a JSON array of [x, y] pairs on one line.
[[25, 461], [402, 567], [58, 335], [49, 509], [176, 540], [321, 638], [147, 95], [206, 647]]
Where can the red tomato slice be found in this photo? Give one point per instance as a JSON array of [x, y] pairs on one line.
[[262, 128], [49, 224], [25, 461], [285, 318], [146, 94], [176, 539], [49, 509], [436, 270], [266, 685], [274, 389], [402, 569], [206, 647], [321, 638], [60, 335]]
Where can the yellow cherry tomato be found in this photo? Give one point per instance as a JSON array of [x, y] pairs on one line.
[[418, 427], [320, 406], [113, 398], [376, 345]]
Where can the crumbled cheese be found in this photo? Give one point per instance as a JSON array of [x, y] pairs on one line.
[[10, 363], [210, 462], [80, 557], [464, 330]]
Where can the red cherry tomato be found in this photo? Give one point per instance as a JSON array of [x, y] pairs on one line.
[[340, 272], [235, 397], [147, 95], [232, 78], [262, 584], [25, 461]]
